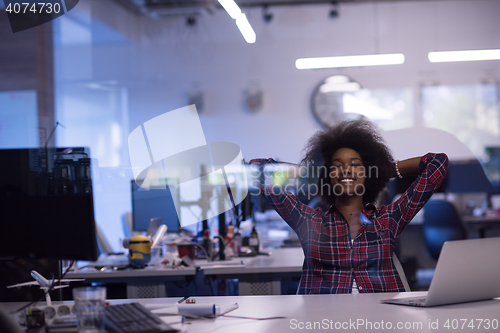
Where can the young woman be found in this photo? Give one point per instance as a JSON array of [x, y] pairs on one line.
[[348, 247]]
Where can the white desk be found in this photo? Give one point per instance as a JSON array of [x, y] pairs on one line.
[[141, 283], [260, 275], [359, 313], [339, 309], [257, 275], [481, 223], [280, 261]]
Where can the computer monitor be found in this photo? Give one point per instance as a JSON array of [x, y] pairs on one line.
[[153, 202], [46, 204], [468, 177]]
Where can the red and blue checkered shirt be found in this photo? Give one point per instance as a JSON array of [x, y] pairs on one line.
[[331, 263]]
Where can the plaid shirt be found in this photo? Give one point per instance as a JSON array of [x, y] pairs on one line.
[[331, 262]]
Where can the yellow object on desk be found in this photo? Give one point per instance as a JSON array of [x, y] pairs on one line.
[[139, 251]]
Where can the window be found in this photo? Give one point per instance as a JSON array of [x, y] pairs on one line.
[[470, 112], [390, 109]]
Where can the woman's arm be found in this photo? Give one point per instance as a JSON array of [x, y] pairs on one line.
[[407, 167], [431, 170], [285, 203]]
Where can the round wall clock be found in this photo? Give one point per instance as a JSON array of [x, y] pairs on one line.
[[327, 100]]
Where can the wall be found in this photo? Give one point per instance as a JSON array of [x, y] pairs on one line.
[[26, 64], [104, 89]]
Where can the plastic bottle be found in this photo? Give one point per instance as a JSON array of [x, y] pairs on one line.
[[229, 238], [207, 244], [253, 242], [230, 230]]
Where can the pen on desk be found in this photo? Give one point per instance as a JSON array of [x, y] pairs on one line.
[[230, 308], [182, 300]]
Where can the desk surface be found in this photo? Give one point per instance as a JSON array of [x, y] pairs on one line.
[[132, 273], [279, 261], [361, 312], [481, 223], [480, 219]]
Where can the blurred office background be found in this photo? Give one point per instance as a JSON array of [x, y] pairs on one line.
[[107, 66]]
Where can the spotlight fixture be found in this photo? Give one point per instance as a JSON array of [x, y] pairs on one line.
[[266, 16], [334, 12], [191, 21]]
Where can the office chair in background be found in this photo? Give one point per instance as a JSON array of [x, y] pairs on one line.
[[127, 225], [102, 242], [441, 223]]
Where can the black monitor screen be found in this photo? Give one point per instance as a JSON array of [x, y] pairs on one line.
[[148, 203], [46, 205], [468, 177]]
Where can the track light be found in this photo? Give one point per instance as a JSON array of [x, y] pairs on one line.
[[266, 16], [334, 12]]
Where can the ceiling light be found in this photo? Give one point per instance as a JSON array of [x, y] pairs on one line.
[[350, 61], [231, 8], [472, 55], [241, 20], [246, 29]]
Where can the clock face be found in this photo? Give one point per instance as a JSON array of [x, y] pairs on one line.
[[327, 101]]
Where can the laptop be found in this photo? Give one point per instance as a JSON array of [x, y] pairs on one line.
[[466, 271], [153, 226]]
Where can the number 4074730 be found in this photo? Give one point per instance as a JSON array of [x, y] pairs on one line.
[[35, 8]]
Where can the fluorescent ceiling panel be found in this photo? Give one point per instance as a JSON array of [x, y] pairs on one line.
[[350, 61], [471, 55]]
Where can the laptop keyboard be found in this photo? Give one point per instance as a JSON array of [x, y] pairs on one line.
[[133, 318]]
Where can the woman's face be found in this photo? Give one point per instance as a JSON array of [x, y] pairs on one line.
[[347, 173]]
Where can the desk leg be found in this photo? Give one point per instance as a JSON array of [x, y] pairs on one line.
[[482, 232]]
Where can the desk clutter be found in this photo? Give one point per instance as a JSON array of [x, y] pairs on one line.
[[176, 250], [125, 317], [283, 313], [130, 317]]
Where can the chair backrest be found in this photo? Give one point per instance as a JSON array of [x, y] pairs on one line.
[[102, 242], [401, 272], [441, 223], [127, 226]]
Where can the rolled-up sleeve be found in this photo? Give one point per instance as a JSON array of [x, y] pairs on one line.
[[294, 212], [432, 171]]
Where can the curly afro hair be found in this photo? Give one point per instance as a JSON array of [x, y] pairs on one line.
[[361, 136]]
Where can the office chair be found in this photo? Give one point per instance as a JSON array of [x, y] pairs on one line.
[[441, 223], [127, 226], [102, 242], [401, 272]]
